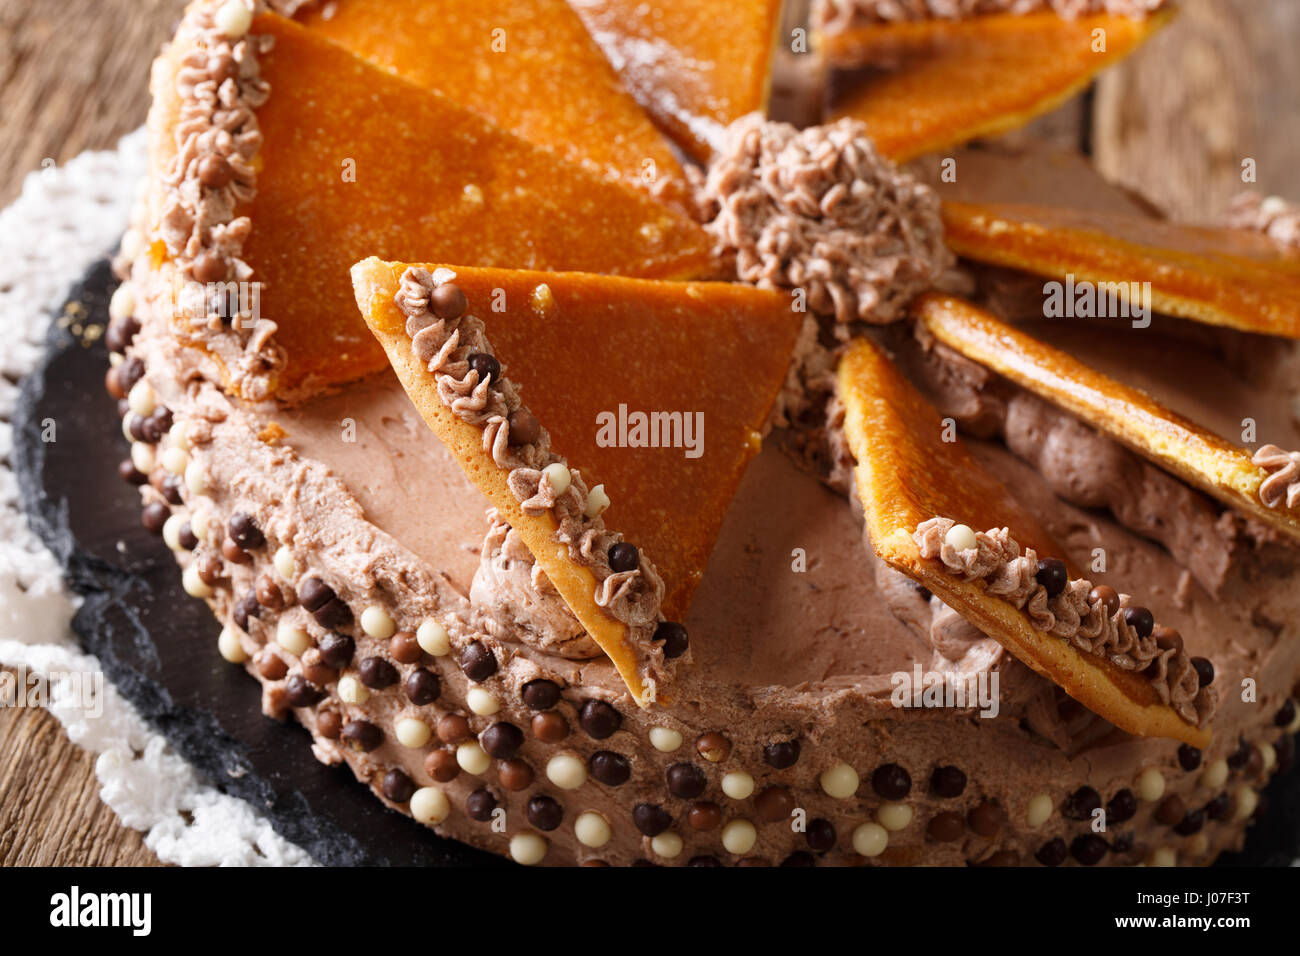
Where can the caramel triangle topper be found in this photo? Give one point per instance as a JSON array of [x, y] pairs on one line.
[[948, 81], [1202, 459], [654, 393], [1222, 277], [924, 499]]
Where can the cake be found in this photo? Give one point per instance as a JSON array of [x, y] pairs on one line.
[[609, 473]]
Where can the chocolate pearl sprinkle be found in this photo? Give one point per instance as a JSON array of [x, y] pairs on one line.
[[502, 740], [245, 608], [130, 372], [1239, 757], [1171, 811], [333, 615], [337, 650], [376, 673], [1285, 714], [1088, 849], [820, 835], [422, 686], [1191, 823], [891, 781], [1081, 804], [1140, 619], [397, 786], [674, 638], [404, 648], [452, 728], [441, 765], [515, 775], [486, 366], [478, 662], [1107, 596], [319, 674], [985, 819], [609, 768], [272, 667], [215, 172], [774, 804], [782, 754], [154, 516], [545, 813], [1189, 757], [650, 819], [685, 780], [268, 593], [705, 816], [329, 723], [170, 487], [314, 594], [948, 782], [447, 301], [208, 267], [799, 858], [1218, 808], [599, 719], [1167, 637], [1052, 853], [524, 427], [300, 693], [1052, 575], [624, 557], [243, 530], [234, 553], [549, 727], [362, 735], [946, 827], [541, 694], [1122, 807], [480, 804], [127, 471]]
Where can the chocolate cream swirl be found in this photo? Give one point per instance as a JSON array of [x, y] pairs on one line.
[[1011, 574], [1283, 481]]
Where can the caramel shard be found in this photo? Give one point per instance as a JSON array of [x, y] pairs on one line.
[[527, 65], [949, 81], [1224, 277], [586, 350], [907, 474], [1202, 459], [694, 65]]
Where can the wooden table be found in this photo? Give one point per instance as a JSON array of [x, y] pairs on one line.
[[1221, 85]]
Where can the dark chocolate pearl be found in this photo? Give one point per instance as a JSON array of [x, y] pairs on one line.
[[334, 615], [478, 662], [170, 487], [1191, 823], [1122, 807], [215, 171], [1052, 575], [985, 819], [156, 425], [891, 781], [362, 735], [1171, 811], [246, 607], [376, 673], [650, 819], [1218, 808], [502, 740], [948, 782], [329, 723], [480, 804], [404, 648], [336, 650], [1285, 748], [1107, 596], [397, 786], [674, 638], [1122, 843], [609, 768], [1204, 671], [154, 516], [525, 429], [946, 827], [486, 366], [135, 425], [799, 858], [820, 835], [1285, 714], [127, 471], [314, 594], [422, 686], [686, 780], [1239, 757], [187, 538], [447, 301], [1140, 619], [545, 813], [704, 860], [624, 557], [1052, 853], [1081, 804], [782, 754], [130, 372], [599, 719], [549, 727], [245, 532], [1189, 757], [299, 692], [773, 804], [541, 694], [1088, 849], [118, 337]]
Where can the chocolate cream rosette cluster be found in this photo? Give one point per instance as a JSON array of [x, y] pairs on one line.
[[612, 466]]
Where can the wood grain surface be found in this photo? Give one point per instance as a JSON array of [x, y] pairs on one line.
[[1219, 86]]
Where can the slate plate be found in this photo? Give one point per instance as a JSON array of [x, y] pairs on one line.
[[159, 646]]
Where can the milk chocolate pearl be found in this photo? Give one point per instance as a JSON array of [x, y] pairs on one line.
[[550, 727], [272, 667], [674, 638], [480, 804], [1285, 713], [1167, 637], [329, 723], [208, 567], [782, 754], [599, 719], [208, 267], [243, 530], [525, 429], [705, 816], [948, 782], [404, 648], [1140, 619], [336, 650], [376, 673], [1122, 807], [541, 694], [650, 819], [1189, 757], [478, 662], [234, 553], [215, 171], [1191, 823], [441, 765], [319, 674], [502, 740], [1171, 811], [820, 835], [545, 813], [773, 804], [452, 728], [1088, 849], [268, 593], [799, 858], [623, 557], [299, 692], [1107, 596], [986, 819], [1052, 853], [422, 686], [685, 780], [1052, 575], [154, 516], [486, 366], [891, 781], [609, 768], [713, 747], [1081, 804], [946, 827], [111, 384], [362, 735], [515, 775], [447, 301]]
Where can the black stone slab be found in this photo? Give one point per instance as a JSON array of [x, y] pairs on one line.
[[159, 646]]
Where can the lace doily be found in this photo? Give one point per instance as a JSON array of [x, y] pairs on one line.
[[65, 219]]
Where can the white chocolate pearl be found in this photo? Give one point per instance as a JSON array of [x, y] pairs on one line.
[[1215, 774], [961, 537], [665, 739], [840, 781], [199, 524], [430, 805], [196, 480], [172, 531], [176, 460], [1039, 810], [1269, 756], [481, 702], [472, 758], [292, 638], [667, 844], [285, 565], [126, 427], [233, 19], [141, 399], [433, 639], [132, 244], [739, 836], [870, 839], [559, 477], [179, 436], [376, 622], [122, 305], [1150, 784], [1162, 856], [597, 502], [412, 732], [894, 816], [193, 584], [352, 691], [230, 647], [1197, 845], [566, 771], [738, 785], [592, 829], [142, 457], [528, 849], [1245, 800]]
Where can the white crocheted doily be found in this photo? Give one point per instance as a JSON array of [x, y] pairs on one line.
[[65, 219]]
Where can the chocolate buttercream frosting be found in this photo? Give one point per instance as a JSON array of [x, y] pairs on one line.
[[1283, 481]]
